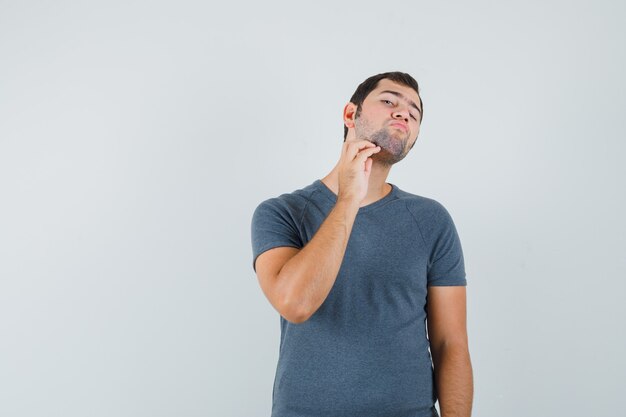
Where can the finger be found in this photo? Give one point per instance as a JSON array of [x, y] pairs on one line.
[[366, 153], [352, 149]]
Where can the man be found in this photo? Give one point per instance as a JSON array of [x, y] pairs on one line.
[[355, 266]]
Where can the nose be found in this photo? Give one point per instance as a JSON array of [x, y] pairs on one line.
[[402, 113]]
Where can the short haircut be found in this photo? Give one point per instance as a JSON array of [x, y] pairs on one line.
[[367, 86]]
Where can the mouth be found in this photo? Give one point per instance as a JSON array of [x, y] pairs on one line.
[[399, 125]]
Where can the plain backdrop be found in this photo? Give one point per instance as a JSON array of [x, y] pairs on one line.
[[137, 137]]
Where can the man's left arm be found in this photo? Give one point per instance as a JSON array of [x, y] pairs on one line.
[[447, 332]]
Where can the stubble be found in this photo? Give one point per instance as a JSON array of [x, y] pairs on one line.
[[393, 146]]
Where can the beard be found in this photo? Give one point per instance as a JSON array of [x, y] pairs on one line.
[[393, 145]]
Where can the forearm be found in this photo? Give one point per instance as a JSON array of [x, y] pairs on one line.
[[308, 277], [453, 380]]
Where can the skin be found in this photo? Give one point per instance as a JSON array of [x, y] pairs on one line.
[[378, 123], [297, 281]]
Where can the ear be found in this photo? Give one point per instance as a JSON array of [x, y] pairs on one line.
[[349, 113]]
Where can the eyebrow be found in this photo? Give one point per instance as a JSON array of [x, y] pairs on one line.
[[411, 103]]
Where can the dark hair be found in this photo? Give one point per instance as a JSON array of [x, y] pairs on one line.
[[367, 86]]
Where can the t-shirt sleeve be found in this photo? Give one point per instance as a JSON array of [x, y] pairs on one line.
[[274, 224], [446, 266]]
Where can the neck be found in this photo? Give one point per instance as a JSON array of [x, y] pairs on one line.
[[377, 187]]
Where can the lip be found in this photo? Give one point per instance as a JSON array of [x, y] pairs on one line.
[[400, 125]]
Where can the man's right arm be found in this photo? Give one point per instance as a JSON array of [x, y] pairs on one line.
[[297, 282], [306, 278]]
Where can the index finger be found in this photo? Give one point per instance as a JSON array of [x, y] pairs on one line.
[[351, 149]]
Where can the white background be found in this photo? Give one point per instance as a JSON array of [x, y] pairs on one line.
[[137, 138]]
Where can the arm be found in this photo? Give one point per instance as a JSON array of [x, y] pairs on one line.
[[298, 281], [307, 278], [447, 332]]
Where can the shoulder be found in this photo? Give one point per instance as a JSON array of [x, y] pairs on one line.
[[288, 207], [424, 209], [433, 220], [277, 221], [288, 203]]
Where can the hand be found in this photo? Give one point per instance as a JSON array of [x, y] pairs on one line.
[[355, 166]]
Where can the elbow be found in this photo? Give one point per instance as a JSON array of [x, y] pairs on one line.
[[294, 313], [447, 349], [292, 305], [296, 319], [453, 344]]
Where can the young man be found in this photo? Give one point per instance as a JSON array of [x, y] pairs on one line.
[[355, 266]]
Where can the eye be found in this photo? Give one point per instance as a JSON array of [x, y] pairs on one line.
[[414, 118], [387, 102]]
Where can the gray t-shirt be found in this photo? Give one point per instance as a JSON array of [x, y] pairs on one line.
[[365, 351]]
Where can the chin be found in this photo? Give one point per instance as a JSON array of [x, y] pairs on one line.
[[386, 158]]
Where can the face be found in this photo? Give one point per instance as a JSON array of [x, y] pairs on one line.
[[390, 117]]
